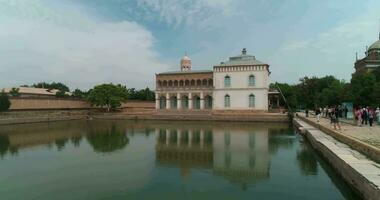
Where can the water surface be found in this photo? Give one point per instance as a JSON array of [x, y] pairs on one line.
[[162, 160]]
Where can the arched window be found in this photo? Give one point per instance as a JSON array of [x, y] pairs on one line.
[[227, 101], [251, 100], [251, 80], [227, 81]]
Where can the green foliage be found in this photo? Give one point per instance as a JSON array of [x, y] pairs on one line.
[[61, 94], [5, 103], [316, 92], [143, 94], [107, 140], [363, 90], [109, 95], [14, 92], [363, 86], [53, 85], [77, 93]]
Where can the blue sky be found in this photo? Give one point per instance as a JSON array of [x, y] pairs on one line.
[[86, 42]]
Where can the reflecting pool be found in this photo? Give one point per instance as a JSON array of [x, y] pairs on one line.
[[162, 160]]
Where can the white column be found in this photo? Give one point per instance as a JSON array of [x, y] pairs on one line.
[[179, 137], [190, 101], [167, 101], [157, 101], [202, 101], [179, 106], [167, 136], [190, 137], [202, 137]]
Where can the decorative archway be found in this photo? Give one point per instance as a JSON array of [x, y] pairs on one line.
[[196, 102], [192, 82], [173, 102], [199, 82], [208, 102], [162, 102], [185, 102]]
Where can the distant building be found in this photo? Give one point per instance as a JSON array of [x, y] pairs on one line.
[[241, 83], [371, 61], [35, 92]]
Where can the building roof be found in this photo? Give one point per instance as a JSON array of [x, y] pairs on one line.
[[35, 91], [185, 58], [243, 59], [375, 45], [186, 72]]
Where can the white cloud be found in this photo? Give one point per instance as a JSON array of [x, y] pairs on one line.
[[39, 43], [188, 12]]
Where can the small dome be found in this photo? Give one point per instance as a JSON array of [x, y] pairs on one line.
[[185, 58], [375, 45]]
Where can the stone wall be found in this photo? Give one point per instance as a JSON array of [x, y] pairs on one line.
[[47, 104], [356, 169], [66, 104], [20, 117]]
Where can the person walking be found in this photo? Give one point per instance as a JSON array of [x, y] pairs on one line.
[[371, 116], [364, 116], [358, 115], [345, 112], [335, 118], [307, 112], [318, 113]]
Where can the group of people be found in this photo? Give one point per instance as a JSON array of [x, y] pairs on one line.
[[363, 115], [334, 113], [367, 115]]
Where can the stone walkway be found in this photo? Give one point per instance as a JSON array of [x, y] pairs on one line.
[[369, 135], [359, 171]]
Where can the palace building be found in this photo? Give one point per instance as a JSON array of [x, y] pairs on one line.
[[371, 61], [241, 83]]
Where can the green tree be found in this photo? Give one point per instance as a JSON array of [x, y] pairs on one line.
[[77, 93], [362, 88], [53, 85], [14, 92], [109, 95], [5, 103], [61, 94], [107, 139]]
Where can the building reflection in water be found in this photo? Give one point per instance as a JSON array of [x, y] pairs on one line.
[[241, 155]]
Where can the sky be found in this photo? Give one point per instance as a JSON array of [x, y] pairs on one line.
[[87, 42]]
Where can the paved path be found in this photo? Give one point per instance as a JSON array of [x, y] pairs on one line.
[[358, 170], [369, 135]]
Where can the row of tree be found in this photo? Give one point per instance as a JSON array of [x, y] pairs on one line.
[[109, 96], [363, 90]]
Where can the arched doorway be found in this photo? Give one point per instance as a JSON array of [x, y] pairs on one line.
[[162, 102], [208, 102], [196, 102], [173, 102], [185, 102]]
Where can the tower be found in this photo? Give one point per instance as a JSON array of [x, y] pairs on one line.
[[185, 63]]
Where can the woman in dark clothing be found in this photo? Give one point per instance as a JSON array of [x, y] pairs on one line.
[[335, 118]]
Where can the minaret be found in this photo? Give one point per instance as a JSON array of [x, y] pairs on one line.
[[185, 63]]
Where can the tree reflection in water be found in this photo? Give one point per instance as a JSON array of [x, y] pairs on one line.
[[60, 143], [281, 139], [107, 139], [76, 140], [4, 145], [307, 162]]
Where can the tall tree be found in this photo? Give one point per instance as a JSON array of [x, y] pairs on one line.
[[5, 103], [109, 95], [14, 92]]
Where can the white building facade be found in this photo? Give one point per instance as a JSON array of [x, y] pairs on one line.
[[241, 83]]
